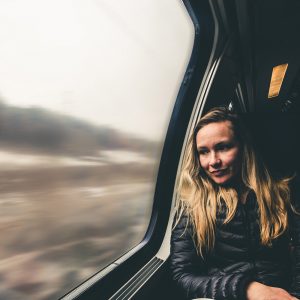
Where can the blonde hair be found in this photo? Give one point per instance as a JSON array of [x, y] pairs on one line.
[[200, 198]]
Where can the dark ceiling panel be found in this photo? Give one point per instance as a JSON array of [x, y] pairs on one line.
[[276, 26]]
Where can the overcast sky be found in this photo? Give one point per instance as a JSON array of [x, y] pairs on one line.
[[106, 61]]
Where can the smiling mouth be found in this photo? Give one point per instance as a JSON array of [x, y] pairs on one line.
[[219, 172]]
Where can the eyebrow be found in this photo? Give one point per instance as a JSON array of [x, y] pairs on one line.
[[201, 148], [216, 145]]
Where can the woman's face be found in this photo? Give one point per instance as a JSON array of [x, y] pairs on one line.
[[219, 152]]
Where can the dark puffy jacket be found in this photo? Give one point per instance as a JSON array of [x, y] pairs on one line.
[[238, 257]]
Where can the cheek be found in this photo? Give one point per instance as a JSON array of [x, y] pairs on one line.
[[203, 162], [234, 159]]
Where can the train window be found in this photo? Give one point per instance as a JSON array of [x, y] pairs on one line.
[[87, 90]]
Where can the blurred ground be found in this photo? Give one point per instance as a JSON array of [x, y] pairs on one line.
[[61, 224]]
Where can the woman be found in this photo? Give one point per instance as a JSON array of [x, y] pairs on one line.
[[234, 225]]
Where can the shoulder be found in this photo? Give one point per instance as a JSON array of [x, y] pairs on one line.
[[182, 226]]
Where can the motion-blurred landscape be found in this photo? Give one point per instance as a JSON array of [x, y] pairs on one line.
[[73, 196]]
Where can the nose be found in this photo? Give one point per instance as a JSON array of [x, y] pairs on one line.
[[215, 161]]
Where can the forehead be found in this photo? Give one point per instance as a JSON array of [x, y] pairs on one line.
[[214, 133]]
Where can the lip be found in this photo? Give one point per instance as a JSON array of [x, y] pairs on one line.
[[218, 172]]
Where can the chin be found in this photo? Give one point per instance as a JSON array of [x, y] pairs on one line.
[[222, 180]]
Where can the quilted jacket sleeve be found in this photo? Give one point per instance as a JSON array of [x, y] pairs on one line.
[[190, 273], [295, 235]]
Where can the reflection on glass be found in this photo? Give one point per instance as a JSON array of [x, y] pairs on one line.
[[82, 124]]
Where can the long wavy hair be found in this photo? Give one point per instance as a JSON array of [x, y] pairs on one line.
[[200, 198]]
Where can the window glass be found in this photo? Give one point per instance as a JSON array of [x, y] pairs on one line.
[[86, 93]]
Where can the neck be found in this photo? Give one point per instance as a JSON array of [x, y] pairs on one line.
[[241, 189], [237, 184]]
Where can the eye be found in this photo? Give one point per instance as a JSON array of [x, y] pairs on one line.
[[202, 151], [224, 147]]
